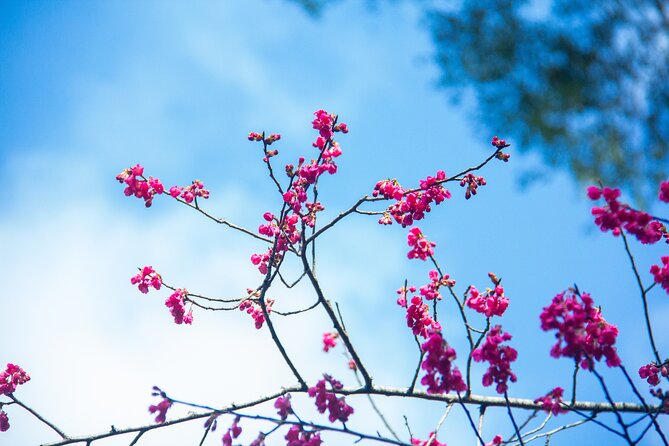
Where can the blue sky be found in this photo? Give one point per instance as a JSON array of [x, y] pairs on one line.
[[89, 88]]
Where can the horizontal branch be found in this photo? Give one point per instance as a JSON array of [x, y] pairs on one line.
[[478, 400]]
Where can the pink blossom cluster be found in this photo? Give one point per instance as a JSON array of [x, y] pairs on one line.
[[190, 193], [282, 404], [491, 302], [176, 302], [497, 441], [661, 275], [552, 401], [147, 277], [326, 399], [582, 332], [472, 182], [284, 229], [139, 186], [329, 341], [421, 248], [431, 441], [419, 319], [616, 216], [651, 372], [253, 308], [233, 431], [441, 377], [12, 377], [412, 205], [262, 260], [499, 357], [664, 191], [430, 291], [297, 436], [286, 232], [500, 144]]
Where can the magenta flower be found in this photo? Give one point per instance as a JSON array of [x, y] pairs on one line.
[[176, 302], [282, 404], [147, 277], [4, 421], [329, 341], [422, 248], [326, 399], [297, 436], [441, 377], [552, 401], [581, 331], [12, 377], [161, 409], [138, 185], [616, 216], [431, 441], [661, 274], [491, 303], [499, 357]]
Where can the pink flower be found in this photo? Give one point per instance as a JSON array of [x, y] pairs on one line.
[[498, 440], [323, 123], [491, 303], [582, 332], [4, 422], [140, 187], [327, 399], [419, 319], [422, 248], [12, 377], [431, 441], [499, 357], [412, 206], [329, 341], [147, 277], [176, 302], [190, 193], [282, 404], [651, 372], [616, 216], [161, 409], [255, 310], [664, 191], [552, 401], [661, 275], [253, 136], [441, 377], [296, 436]]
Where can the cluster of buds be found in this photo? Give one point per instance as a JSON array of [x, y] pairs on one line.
[[329, 341], [500, 144], [472, 182], [430, 291], [233, 431], [162, 407], [190, 193], [176, 303]]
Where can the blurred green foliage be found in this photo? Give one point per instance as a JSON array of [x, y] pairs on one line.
[[585, 84]]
